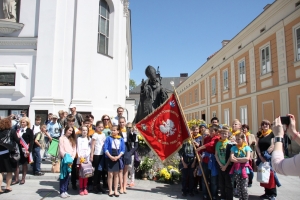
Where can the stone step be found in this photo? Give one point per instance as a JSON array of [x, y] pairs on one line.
[[46, 176], [45, 167]]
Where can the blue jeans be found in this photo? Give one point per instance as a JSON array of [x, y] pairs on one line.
[[63, 184], [187, 180], [213, 180], [36, 154]]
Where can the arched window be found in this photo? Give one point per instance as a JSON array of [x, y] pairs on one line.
[[103, 27]]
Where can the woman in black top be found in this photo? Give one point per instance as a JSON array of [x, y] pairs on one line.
[[265, 143], [5, 163], [26, 133]]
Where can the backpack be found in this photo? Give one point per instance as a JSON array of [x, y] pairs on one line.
[[12, 147], [79, 118], [86, 170]]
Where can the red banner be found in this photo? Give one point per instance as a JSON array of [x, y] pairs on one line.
[[164, 130]]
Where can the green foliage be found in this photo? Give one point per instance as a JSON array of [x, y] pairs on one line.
[[132, 84], [146, 164]]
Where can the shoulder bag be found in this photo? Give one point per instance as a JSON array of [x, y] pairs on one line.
[[12, 147]]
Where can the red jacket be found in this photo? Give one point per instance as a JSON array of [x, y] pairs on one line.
[[210, 144]]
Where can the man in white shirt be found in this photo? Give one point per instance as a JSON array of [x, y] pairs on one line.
[[36, 127], [115, 120]]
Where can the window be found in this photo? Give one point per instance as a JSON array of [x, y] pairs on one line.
[[190, 96], [214, 114], [3, 113], [297, 42], [213, 86], [225, 80], [7, 79], [103, 27], [226, 117], [196, 95], [265, 60], [244, 119], [242, 72]]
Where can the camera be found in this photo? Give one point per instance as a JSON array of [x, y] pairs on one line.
[[285, 120]]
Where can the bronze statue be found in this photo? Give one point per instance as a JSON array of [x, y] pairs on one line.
[[152, 94]]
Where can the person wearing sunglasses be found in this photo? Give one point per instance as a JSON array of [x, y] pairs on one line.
[[107, 125], [264, 148]]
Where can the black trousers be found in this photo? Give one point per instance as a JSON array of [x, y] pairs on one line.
[[225, 184], [98, 175], [271, 192], [74, 172]]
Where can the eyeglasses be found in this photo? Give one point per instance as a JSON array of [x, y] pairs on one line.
[[105, 119], [129, 127], [265, 124]]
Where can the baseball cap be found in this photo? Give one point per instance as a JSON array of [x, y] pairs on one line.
[[72, 106], [203, 125]]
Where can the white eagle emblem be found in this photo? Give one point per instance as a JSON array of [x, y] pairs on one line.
[[167, 127]]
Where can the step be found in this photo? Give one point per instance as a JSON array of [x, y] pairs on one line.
[[46, 176], [45, 167]]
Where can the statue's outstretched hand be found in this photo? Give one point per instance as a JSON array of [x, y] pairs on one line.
[[143, 83]]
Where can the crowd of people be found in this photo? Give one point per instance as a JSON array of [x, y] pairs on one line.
[[108, 146], [228, 156]]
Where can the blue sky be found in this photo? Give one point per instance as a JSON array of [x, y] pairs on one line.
[[178, 36]]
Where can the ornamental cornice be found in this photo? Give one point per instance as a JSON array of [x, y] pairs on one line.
[[18, 43], [125, 7]]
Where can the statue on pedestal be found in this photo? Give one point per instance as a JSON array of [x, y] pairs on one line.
[[152, 94], [9, 10]]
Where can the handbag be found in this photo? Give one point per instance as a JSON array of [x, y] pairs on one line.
[[271, 184], [12, 146], [263, 172], [121, 163], [53, 148], [101, 166], [137, 160], [86, 170], [55, 167]]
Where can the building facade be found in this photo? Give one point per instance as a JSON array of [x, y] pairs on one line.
[[62, 52], [253, 77]]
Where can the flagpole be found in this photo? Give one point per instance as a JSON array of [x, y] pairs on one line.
[[197, 155]]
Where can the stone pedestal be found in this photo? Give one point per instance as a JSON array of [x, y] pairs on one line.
[[8, 26]]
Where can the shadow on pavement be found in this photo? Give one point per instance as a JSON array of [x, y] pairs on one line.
[[47, 193], [172, 191], [51, 183], [254, 197]]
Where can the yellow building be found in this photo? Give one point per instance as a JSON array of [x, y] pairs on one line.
[[254, 76]]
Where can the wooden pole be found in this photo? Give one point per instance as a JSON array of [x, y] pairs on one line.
[[197, 155]]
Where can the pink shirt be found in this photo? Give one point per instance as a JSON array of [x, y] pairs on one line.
[[288, 166], [65, 146]]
